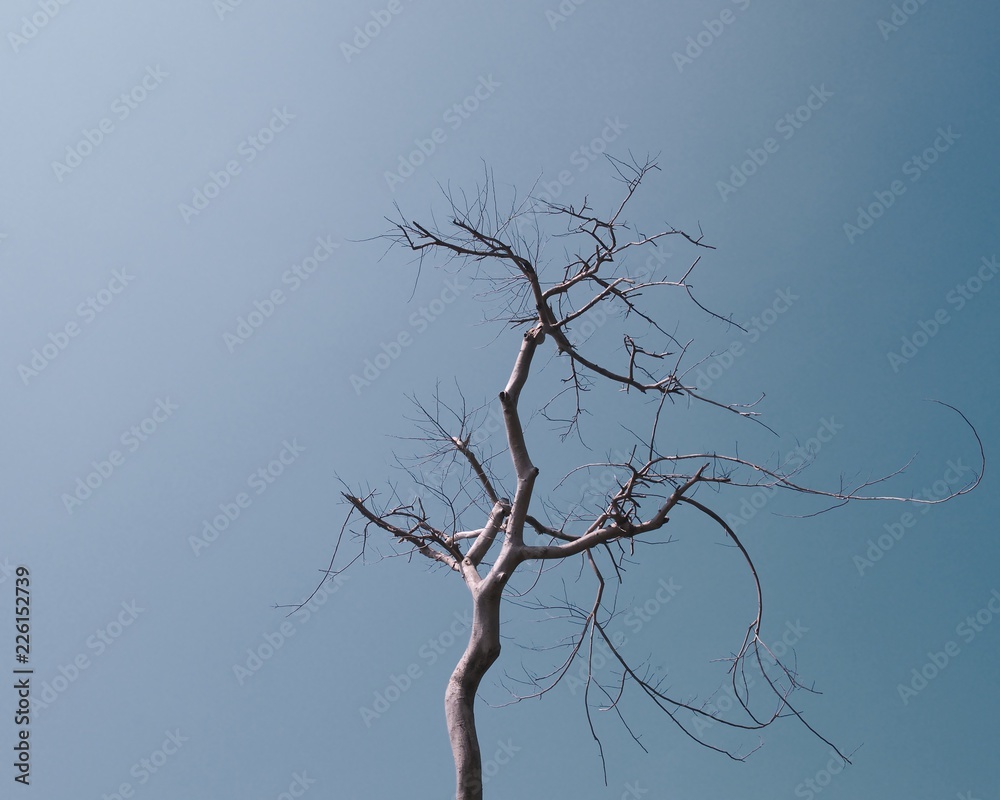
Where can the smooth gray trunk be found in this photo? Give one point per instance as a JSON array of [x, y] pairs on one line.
[[460, 697]]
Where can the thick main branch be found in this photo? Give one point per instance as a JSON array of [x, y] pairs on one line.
[[523, 468]]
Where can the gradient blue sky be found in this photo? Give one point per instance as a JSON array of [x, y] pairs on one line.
[[143, 107]]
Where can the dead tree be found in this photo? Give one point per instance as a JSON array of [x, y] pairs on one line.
[[503, 250]]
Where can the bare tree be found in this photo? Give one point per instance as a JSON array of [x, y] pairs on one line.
[[503, 251]]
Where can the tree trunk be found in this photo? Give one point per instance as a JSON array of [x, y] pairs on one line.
[[460, 697]]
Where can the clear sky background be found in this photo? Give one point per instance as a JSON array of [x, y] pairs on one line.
[[167, 168]]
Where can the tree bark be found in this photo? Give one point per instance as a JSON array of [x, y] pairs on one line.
[[460, 697]]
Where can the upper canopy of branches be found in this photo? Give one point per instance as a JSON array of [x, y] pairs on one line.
[[506, 245], [505, 249]]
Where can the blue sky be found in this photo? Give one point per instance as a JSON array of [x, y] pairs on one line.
[[174, 172]]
